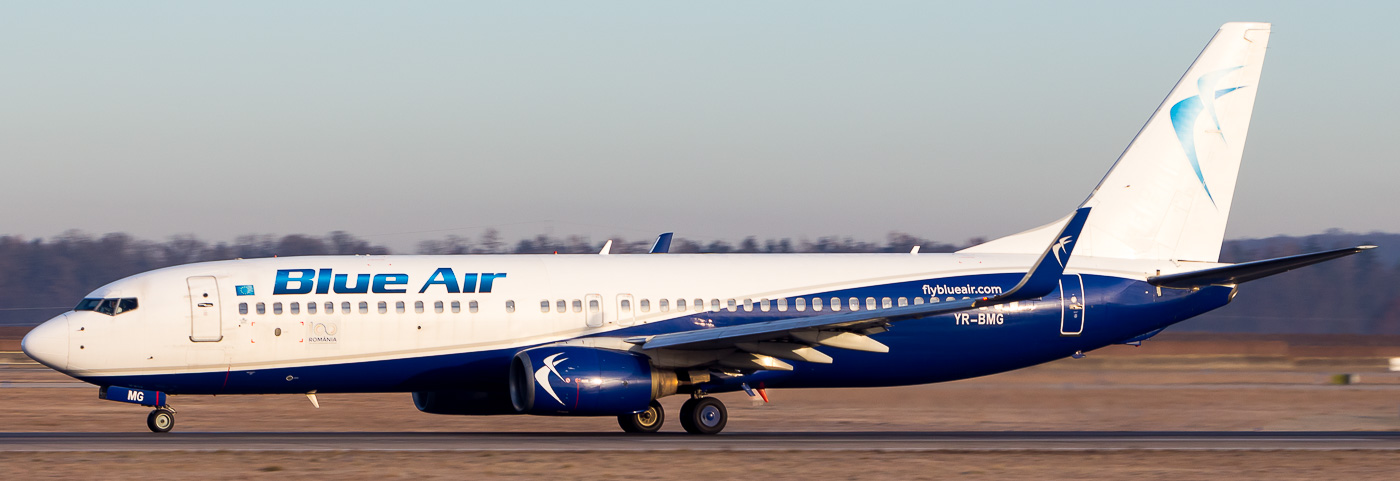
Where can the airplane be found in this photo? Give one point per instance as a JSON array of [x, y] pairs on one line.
[[609, 335]]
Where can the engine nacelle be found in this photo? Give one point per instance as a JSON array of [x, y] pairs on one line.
[[585, 381]]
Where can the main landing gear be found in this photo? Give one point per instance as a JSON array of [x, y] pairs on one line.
[[161, 420], [699, 415], [704, 415], [648, 421]]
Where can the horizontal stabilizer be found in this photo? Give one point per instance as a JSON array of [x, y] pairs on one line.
[[1248, 271]]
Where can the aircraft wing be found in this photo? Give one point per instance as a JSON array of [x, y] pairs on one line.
[[848, 330]]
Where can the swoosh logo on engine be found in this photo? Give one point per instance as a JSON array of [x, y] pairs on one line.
[[542, 375]]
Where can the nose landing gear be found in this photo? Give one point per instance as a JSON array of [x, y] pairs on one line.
[[161, 420]]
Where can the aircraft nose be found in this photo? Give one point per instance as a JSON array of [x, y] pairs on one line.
[[48, 343]]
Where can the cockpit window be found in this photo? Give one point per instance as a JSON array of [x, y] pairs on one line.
[[108, 306]]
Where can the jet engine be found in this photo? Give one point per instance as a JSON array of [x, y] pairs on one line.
[[585, 381]]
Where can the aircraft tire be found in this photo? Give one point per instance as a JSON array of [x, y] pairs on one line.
[[160, 421], [704, 415], [648, 421]]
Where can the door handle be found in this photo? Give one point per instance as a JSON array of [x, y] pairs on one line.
[[206, 304]]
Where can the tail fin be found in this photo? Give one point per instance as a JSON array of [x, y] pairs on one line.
[[1168, 196]]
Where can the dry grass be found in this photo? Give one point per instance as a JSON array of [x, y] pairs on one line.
[[1350, 465]]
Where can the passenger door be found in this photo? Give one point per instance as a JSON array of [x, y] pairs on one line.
[[206, 319]]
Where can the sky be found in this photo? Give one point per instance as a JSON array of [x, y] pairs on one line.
[[407, 121]]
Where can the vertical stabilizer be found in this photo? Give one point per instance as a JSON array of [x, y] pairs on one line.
[[1168, 196]]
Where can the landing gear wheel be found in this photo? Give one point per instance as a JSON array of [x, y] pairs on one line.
[[704, 415], [160, 420], [648, 421]]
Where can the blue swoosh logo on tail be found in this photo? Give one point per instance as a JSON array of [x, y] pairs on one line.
[[1185, 112]]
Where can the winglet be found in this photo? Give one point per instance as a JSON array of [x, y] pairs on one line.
[[662, 244], [1044, 276], [606, 248]]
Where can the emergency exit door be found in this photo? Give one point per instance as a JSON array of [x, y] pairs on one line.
[[1072, 305], [625, 313], [593, 305], [206, 320]]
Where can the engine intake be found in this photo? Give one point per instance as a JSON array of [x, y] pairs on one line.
[[585, 381]]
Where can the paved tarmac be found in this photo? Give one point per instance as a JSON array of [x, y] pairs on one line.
[[830, 441]]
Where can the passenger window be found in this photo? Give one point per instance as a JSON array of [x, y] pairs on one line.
[[664, 305], [950, 298], [855, 303], [242, 308], [835, 304], [364, 307], [561, 306], [763, 305], [748, 305], [870, 303], [801, 304], [311, 308], [593, 306], [918, 301], [732, 305], [472, 307], [456, 307], [578, 305], [510, 306], [277, 308], [398, 307], [383, 307], [417, 307], [782, 305], [544, 305], [294, 308], [644, 305], [680, 305], [714, 305], [262, 308], [903, 301], [699, 305], [885, 303], [817, 304], [625, 305], [345, 307], [437, 307], [330, 308]]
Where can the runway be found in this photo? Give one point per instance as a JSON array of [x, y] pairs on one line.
[[830, 441]]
